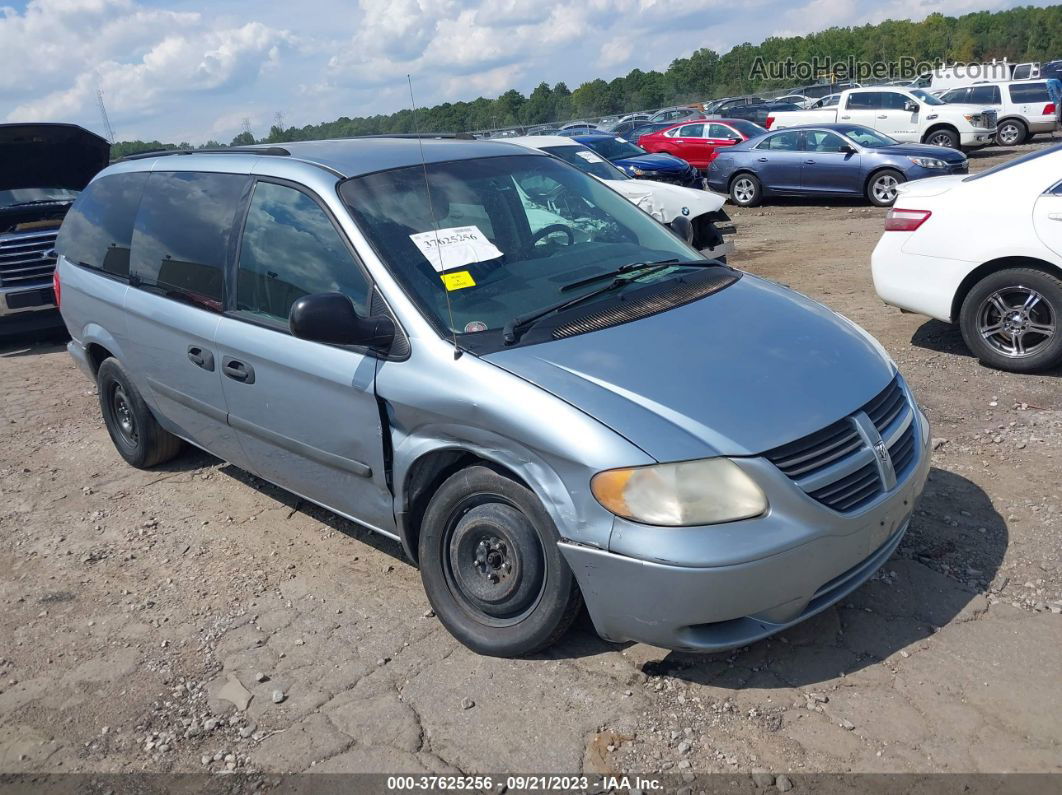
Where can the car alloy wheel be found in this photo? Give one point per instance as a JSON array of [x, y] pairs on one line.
[[884, 189], [744, 190], [942, 138], [1016, 321], [1009, 134]]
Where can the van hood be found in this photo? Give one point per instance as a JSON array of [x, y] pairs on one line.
[[666, 202], [739, 372], [50, 156]]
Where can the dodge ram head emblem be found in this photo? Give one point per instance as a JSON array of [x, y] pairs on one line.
[[882, 452]]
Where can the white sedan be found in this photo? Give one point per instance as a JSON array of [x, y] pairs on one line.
[[709, 223], [983, 251]]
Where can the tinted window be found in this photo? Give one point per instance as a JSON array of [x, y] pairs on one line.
[[891, 100], [822, 141], [866, 100], [983, 95], [1031, 92], [956, 95], [98, 229], [784, 142], [692, 131], [1022, 72], [183, 232], [290, 249]]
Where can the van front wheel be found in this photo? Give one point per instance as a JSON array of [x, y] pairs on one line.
[[491, 567]]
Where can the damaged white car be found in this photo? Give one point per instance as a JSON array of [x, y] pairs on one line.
[[710, 229]]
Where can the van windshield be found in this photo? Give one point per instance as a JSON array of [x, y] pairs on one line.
[[497, 237]]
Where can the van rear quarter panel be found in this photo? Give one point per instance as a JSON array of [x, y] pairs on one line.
[[92, 308]]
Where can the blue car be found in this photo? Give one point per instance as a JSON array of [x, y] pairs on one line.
[[638, 163], [827, 160]]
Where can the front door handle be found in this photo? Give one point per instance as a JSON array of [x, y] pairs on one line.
[[1055, 216], [883, 117], [237, 371], [846, 117], [762, 159], [201, 357], [809, 162]]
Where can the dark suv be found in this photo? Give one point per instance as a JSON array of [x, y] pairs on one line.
[[43, 167]]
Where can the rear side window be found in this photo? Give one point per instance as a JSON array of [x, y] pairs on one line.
[[98, 229], [183, 233], [864, 100], [1031, 92], [692, 131], [782, 142], [290, 249], [983, 95]]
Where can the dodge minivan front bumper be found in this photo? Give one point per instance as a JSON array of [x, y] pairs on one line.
[[816, 557]]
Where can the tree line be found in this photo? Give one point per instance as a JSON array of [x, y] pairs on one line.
[[1018, 34]]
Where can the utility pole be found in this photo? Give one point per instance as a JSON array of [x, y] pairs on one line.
[[103, 115]]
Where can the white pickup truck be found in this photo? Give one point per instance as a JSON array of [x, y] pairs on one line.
[[909, 115]]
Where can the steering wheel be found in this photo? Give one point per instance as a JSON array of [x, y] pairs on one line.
[[550, 229]]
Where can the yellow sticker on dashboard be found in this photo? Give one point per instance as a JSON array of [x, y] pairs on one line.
[[458, 280]]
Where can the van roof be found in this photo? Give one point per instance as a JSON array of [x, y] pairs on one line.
[[351, 157]]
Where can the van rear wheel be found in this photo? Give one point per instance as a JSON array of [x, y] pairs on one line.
[[491, 566], [136, 434]]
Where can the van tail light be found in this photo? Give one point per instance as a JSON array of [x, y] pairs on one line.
[[899, 220], [770, 121], [1049, 109], [57, 287]]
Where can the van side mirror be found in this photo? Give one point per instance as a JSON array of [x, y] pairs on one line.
[[331, 318], [911, 107]]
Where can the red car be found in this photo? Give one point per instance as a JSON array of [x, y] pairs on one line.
[[698, 142]]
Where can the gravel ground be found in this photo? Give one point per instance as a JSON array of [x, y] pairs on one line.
[[194, 618]]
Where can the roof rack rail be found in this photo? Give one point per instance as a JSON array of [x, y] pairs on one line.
[[463, 136], [275, 151]]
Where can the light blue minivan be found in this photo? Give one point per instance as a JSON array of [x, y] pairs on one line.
[[410, 333]]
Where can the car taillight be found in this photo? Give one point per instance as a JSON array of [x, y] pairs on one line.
[[1049, 109], [770, 121], [898, 220], [56, 286]]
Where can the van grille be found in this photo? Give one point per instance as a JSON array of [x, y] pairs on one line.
[[26, 258], [838, 465]]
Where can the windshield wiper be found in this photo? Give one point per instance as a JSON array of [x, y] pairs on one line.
[[509, 333], [37, 201], [634, 267]]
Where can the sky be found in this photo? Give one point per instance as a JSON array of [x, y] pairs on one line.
[[191, 70]]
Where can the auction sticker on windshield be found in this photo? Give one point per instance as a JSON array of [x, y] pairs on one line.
[[458, 280], [453, 247]]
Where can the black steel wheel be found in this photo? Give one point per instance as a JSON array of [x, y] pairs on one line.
[[136, 434], [491, 567]]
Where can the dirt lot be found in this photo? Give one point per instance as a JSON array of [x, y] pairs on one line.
[[194, 618]]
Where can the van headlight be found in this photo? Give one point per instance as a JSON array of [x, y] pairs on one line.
[[707, 491], [928, 162]]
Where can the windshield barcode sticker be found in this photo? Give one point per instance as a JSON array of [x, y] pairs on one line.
[[451, 248]]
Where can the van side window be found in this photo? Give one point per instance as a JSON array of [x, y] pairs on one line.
[[182, 235], [98, 229], [290, 249]]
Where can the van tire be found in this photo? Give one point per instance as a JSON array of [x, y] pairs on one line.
[[481, 524], [942, 136], [136, 434], [1013, 287], [1011, 132]]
